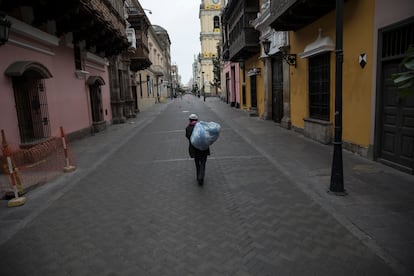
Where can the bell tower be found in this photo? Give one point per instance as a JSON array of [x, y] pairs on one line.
[[210, 37]]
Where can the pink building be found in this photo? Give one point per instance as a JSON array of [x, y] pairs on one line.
[[232, 83], [42, 90], [58, 71]]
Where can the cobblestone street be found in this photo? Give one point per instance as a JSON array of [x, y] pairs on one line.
[[133, 206]]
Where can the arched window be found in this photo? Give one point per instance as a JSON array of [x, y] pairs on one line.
[[216, 22]]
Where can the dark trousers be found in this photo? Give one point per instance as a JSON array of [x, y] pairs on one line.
[[200, 162]]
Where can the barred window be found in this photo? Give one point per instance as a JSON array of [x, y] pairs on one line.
[[319, 83]]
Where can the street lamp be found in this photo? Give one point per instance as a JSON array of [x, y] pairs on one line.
[[337, 174], [4, 28], [266, 46], [202, 80]]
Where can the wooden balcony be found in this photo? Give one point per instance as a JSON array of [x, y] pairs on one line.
[[244, 45], [243, 39], [99, 24], [292, 15], [140, 57]]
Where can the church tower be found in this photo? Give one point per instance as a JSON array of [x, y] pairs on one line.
[[210, 37]]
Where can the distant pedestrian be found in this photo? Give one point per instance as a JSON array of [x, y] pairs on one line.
[[200, 156]]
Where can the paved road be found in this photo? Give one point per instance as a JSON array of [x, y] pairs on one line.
[[133, 207]]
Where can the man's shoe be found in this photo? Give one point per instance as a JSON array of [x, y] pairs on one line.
[[200, 182]]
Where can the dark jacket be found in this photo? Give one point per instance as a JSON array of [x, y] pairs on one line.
[[193, 151]]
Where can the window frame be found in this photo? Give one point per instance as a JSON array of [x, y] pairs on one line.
[[319, 82]]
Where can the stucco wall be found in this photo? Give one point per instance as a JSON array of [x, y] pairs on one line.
[[357, 85], [67, 96], [255, 62]]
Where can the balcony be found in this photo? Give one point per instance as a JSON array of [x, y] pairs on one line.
[[244, 45], [243, 39], [157, 70], [140, 56], [292, 15], [99, 24]]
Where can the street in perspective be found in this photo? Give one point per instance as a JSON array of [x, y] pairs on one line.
[[207, 138], [133, 205]]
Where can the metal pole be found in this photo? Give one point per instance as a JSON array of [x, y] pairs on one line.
[[203, 89], [337, 174]]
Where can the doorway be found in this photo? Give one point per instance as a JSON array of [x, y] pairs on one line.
[[395, 125], [277, 88]]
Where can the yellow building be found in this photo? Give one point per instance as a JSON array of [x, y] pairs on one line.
[[252, 92], [313, 78], [210, 37], [376, 119]]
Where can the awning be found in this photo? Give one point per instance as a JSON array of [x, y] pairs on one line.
[[18, 68], [321, 45]]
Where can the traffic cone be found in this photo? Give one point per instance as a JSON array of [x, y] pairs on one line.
[[16, 201], [68, 167]]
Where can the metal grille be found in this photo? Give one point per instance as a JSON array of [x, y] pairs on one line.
[[32, 109], [319, 82], [396, 41]]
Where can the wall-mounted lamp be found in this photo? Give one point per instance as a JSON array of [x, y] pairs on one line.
[[149, 11], [289, 58], [266, 46], [136, 11], [4, 28]]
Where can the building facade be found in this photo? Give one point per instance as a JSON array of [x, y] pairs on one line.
[[151, 82], [241, 45], [210, 39], [54, 72], [376, 35], [293, 79]]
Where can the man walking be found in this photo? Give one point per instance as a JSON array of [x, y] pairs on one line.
[[200, 156]]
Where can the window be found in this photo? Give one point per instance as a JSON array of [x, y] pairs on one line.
[[31, 106], [148, 86], [216, 22], [319, 83], [77, 53]]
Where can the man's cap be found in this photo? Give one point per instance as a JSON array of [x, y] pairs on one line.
[[193, 117]]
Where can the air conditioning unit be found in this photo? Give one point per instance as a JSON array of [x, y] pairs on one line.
[[132, 39]]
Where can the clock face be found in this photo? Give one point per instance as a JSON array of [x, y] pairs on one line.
[[215, 1]]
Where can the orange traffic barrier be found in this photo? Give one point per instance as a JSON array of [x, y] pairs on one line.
[[68, 167], [13, 174]]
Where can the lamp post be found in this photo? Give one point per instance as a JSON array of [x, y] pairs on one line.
[[337, 175], [203, 89], [4, 28]]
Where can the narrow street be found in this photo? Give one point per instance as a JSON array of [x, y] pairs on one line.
[[133, 206]]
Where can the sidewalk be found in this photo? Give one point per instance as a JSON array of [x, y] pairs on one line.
[[379, 205], [89, 152]]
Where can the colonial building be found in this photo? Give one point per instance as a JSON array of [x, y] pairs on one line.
[[165, 62], [376, 119], [152, 81], [55, 67], [242, 46], [210, 38], [276, 71]]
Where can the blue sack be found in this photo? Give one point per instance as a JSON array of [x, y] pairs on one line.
[[204, 134]]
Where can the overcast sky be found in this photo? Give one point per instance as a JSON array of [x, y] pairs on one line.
[[180, 19]]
